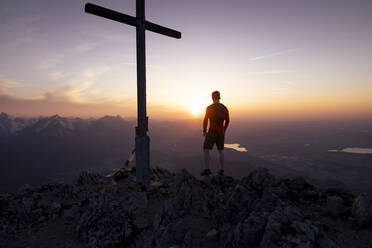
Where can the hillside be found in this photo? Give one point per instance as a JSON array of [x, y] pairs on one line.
[[179, 210]]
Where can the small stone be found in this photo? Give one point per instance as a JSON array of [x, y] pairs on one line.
[[70, 213], [249, 232], [212, 234], [141, 222], [335, 206], [327, 243], [41, 219], [188, 239]]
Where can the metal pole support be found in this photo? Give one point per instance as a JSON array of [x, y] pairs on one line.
[[142, 159]]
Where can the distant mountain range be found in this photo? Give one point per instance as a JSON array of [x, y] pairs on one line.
[[34, 149], [11, 125], [55, 125]]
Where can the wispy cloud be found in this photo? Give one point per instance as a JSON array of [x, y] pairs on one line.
[[76, 87], [58, 103], [55, 75], [270, 55], [6, 85], [50, 62], [83, 47], [268, 72], [284, 87]]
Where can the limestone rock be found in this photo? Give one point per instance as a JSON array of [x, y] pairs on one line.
[[362, 209], [179, 210]]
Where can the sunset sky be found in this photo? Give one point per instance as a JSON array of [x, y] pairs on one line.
[[274, 59]]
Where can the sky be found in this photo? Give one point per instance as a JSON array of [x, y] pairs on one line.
[[279, 59]]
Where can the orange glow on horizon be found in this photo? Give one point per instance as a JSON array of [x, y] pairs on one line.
[[194, 105]]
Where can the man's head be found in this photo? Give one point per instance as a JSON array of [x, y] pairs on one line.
[[216, 96]]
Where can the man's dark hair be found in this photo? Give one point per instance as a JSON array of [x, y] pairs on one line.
[[216, 95]]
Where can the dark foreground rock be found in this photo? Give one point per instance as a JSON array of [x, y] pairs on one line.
[[179, 210], [362, 209]]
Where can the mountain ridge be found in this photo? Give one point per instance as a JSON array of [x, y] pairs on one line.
[[180, 210]]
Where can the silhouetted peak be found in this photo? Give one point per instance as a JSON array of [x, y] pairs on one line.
[[4, 116], [55, 117], [56, 123], [111, 117]]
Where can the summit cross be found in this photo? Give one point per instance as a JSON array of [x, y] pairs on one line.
[[142, 139]]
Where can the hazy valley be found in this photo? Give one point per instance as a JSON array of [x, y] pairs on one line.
[[54, 149]]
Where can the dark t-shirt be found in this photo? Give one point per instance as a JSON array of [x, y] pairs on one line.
[[216, 113]]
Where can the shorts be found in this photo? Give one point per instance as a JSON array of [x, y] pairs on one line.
[[213, 138]]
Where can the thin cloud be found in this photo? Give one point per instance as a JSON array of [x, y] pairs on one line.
[[83, 47], [50, 62], [268, 72], [55, 75], [6, 85], [60, 102], [270, 55]]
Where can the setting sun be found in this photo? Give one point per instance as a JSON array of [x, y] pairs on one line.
[[196, 106], [196, 109]]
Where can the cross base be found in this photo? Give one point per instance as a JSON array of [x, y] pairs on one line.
[[143, 159]]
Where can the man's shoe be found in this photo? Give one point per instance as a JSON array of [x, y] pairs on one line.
[[206, 172], [220, 172]]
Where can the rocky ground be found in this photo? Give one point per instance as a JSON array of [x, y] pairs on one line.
[[179, 210]]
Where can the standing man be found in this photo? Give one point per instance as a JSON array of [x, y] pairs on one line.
[[218, 117]]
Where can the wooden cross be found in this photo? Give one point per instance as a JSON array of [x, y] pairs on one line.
[[142, 139]]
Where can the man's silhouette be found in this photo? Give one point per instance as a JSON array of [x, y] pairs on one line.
[[218, 117]]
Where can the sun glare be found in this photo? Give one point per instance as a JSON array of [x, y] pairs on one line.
[[195, 106], [195, 109]]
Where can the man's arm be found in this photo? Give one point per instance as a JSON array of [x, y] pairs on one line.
[[227, 120], [205, 121]]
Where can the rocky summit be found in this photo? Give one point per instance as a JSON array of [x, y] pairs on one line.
[[180, 210]]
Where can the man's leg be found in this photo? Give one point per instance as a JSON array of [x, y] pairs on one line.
[[207, 158], [208, 145], [220, 145], [222, 159]]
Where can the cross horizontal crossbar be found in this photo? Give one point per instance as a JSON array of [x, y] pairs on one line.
[[130, 20]]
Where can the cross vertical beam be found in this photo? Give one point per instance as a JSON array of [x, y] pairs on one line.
[[142, 139]]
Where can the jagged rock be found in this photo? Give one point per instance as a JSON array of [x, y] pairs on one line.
[[240, 200], [259, 179], [293, 213], [307, 229], [326, 242], [141, 222], [249, 232], [212, 234], [335, 206], [286, 227], [70, 214], [174, 234], [184, 177], [272, 232], [188, 239], [182, 211], [362, 210]]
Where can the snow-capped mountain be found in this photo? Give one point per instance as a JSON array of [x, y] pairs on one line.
[[32, 149], [56, 125], [10, 125], [55, 121]]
